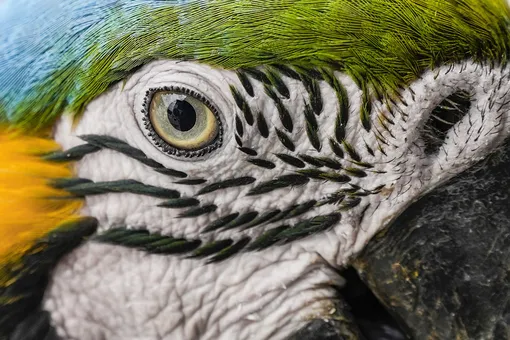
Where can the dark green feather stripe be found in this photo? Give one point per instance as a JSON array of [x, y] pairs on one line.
[[271, 77], [217, 250], [96, 143], [79, 187]]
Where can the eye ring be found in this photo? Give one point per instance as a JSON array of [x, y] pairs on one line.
[[164, 145]]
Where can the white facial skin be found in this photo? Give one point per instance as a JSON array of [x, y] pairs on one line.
[[111, 292]]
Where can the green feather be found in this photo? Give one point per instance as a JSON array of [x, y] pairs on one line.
[[382, 43]]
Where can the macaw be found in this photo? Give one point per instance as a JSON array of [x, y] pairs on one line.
[[214, 169]]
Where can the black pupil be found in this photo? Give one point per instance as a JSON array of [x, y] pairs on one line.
[[182, 115]]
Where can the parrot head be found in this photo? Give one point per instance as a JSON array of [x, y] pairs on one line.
[[206, 167]]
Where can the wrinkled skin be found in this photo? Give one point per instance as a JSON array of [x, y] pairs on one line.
[[114, 291]]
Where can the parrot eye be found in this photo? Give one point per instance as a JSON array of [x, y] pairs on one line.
[[182, 122]]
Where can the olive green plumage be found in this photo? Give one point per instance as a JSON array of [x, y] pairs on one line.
[[381, 43]]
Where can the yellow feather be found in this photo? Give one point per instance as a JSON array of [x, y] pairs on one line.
[[29, 207]]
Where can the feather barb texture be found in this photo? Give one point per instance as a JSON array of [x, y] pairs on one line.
[[30, 208], [385, 44]]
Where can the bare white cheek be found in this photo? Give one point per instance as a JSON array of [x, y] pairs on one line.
[[102, 291]]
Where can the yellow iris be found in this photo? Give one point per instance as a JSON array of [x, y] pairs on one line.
[[183, 121]]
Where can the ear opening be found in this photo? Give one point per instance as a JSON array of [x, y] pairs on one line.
[[443, 118]]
